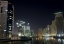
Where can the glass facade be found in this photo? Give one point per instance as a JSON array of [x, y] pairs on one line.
[[9, 20], [59, 23]]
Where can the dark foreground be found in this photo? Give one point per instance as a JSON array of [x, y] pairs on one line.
[[39, 40]]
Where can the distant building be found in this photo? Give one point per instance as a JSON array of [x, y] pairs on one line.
[[32, 33], [23, 29], [6, 18], [48, 29], [27, 30], [20, 27], [53, 28], [40, 32], [59, 22]]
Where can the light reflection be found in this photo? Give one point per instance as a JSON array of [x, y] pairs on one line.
[[63, 41], [59, 40]]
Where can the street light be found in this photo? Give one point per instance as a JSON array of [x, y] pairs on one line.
[[19, 34]]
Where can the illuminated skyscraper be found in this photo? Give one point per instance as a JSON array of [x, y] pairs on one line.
[[59, 22], [20, 27], [6, 18], [27, 30], [48, 29], [23, 29]]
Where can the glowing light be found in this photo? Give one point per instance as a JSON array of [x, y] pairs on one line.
[[6, 10], [4, 30], [17, 26], [10, 18], [52, 38], [23, 22], [0, 25], [10, 36], [19, 34], [59, 35], [63, 40], [10, 26], [22, 35], [28, 23], [17, 23], [30, 36], [58, 13], [47, 38], [59, 40]]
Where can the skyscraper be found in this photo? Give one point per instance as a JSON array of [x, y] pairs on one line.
[[6, 18], [27, 30], [23, 29], [53, 28], [59, 22], [20, 27]]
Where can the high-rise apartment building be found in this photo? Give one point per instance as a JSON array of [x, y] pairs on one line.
[[23, 29], [6, 18], [59, 22], [27, 30], [20, 27], [53, 28], [48, 29]]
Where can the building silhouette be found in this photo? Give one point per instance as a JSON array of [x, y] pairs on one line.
[[6, 18], [59, 22]]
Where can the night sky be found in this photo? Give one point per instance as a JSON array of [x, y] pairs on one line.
[[38, 13]]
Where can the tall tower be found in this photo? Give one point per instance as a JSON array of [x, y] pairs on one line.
[[53, 28], [59, 22], [27, 31], [20, 27], [6, 18]]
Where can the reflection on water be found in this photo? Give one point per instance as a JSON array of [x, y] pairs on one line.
[[40, 40]]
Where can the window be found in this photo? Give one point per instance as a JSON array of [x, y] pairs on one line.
[[1, 9]]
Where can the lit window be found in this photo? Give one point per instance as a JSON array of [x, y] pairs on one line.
[[17, 23], [10, 29], [17, 26], [10, 12], [6, 10], [0, 25], [19, 34], [10, 18], [10, 26], [4, 30]]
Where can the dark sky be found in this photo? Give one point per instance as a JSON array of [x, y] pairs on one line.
[[38, 13]]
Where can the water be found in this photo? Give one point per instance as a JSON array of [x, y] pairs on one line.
[[39, 40]]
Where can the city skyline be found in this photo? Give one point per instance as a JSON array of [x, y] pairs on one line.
[[30, 22], [6, 19], [38, 13]]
